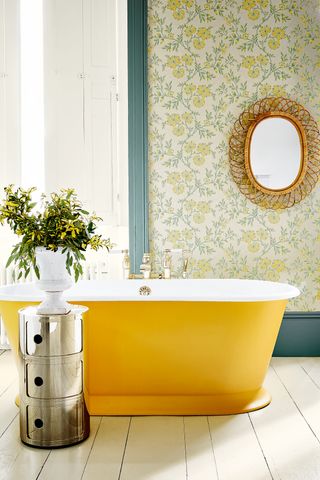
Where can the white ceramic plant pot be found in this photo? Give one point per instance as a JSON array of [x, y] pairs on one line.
[[54, 279]]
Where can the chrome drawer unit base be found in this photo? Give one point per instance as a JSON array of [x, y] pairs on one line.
[[53, 412]]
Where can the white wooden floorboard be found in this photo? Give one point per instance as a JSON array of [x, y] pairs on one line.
[[291, 449], [236, 448], [155, 449], [199, 451], [303, 391], [17, 461], [69, 463], [311, 365], [106, 455], [8, 370], [8, 409]]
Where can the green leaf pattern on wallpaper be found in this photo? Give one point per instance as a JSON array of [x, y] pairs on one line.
[[209, 60]]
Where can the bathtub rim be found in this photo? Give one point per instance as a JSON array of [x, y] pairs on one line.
[[27, 292]]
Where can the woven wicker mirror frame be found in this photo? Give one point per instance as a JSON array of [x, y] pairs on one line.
[[239, 153]]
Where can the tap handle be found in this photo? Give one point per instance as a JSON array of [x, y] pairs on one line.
[[126, 264], [185, 262], [145, 265], [126, 258], [167, 258], [166, 263], [146, 258]]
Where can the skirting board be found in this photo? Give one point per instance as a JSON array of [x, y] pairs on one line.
[[299, 335]]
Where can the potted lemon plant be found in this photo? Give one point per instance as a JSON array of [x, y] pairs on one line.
[[53, 240]]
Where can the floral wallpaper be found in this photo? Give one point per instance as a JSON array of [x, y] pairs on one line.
[[208, 60]]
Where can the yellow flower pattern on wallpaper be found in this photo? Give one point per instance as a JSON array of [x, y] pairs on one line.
[[208, 60]]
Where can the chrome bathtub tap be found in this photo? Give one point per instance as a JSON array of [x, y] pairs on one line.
[[145, 267]]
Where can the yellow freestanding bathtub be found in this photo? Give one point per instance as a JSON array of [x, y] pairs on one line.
[[189, 347]]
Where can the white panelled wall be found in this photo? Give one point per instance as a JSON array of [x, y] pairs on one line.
[[86, 101], [10, 165], [10, 168], [85, 106]]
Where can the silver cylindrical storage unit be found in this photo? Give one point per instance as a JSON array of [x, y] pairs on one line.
[[53, 412]]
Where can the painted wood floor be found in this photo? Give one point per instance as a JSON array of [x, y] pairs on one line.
[[280, 442]]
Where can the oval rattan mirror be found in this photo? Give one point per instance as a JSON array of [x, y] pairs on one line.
[[274, 153]]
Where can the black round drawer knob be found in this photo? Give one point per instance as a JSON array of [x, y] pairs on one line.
[[38, 423], [38, 381], [37, 338]]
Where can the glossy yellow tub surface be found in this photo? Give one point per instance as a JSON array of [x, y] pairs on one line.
[[173, 356]]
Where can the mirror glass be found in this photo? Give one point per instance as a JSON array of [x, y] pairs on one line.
[[275, 153]]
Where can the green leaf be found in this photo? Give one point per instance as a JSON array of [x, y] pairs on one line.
[[10, 260], [77, 275], [36, 271]]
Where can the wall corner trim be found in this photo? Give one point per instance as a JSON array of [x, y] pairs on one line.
[[137, 131]]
